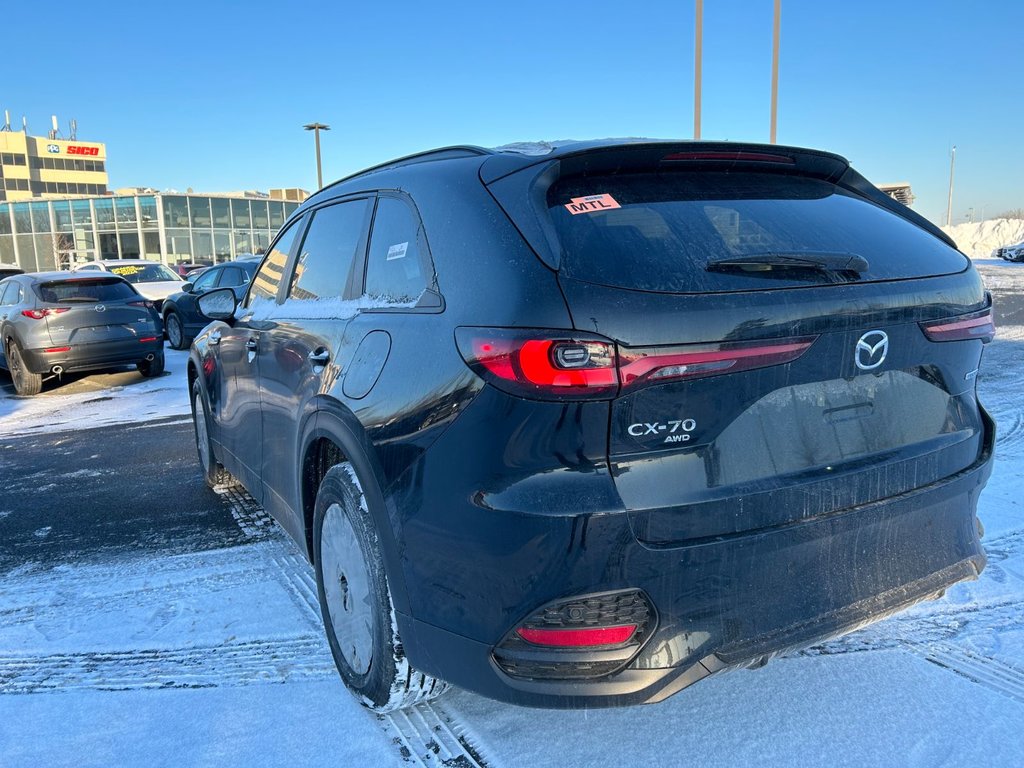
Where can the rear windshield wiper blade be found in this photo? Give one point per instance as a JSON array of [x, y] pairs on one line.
[[824, 261]]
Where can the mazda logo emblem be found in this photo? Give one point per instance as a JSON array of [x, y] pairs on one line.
[[101, 308], [871, 350]]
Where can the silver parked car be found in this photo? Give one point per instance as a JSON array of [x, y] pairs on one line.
[[150, 278], [56, 322]]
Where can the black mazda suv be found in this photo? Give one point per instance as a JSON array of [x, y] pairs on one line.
[[581, 425]]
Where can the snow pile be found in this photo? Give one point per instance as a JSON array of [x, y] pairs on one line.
[[262, 310], [978, 239]]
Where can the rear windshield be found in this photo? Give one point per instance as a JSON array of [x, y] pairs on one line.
[[144, 273], [660, 232], [79, 291]]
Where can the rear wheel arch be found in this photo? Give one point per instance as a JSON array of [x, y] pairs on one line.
[[335, 436]]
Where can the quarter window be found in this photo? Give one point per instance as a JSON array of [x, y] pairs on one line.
[[268, 276], [206, 281], [230, 277], [10, 296], [396, 270], [324, 266]]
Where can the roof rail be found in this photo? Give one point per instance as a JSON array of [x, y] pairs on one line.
[[441, 153]]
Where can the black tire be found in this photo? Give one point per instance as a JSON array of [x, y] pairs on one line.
[[175, 331], [385, 681], [26, 383], [152, 368], [213, 473]]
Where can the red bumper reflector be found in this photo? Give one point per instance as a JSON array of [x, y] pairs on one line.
[[577, 638], [57, 349], [147, 338]]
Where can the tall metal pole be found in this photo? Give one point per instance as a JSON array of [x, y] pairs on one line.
[[697, 56], [949, 202], [775, 69], [316, 128]]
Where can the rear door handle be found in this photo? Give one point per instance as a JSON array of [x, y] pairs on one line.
[[251, 345], [319, 357]]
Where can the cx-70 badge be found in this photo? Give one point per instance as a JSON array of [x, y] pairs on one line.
[[871, 350]]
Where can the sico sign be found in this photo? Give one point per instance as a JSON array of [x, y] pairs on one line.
[[78, 150]]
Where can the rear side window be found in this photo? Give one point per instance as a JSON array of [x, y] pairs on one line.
[[230, 277], [10, 295], [324, 266], [84, 291], [659, 232], [270, 273], [396, 266]]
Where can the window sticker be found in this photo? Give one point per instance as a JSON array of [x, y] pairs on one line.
[[591, 203], [132, 270], [397, 251]]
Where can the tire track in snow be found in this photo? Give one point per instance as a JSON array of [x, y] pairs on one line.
[[426, 735], [990, 673], [200, 666]]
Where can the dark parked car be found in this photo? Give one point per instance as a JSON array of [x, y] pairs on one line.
[[182, 318], [57, 322], [6, 270], [582, 428], [183, 269]]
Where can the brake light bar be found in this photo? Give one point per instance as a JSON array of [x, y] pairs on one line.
[[977, 325], [57, 349], [577, 638], [737, 156], [564, 365], [691, 361], [39, 314]]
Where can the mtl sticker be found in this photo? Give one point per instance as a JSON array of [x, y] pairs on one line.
[[591, 203]]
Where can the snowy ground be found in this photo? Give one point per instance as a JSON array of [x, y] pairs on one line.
[[217, 657]]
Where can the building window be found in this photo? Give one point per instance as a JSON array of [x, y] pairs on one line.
[[178, 245], [104, 214], [81, 213], [200, 207], [40, 217], [62, 215], [22, 220], [221, 213], [176, 211], [240, 214], [151, 243], [125, 208]]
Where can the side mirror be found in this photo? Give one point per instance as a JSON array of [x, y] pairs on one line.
[[186, 287], [219, 304]]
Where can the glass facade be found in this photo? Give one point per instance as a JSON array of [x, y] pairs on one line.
[[55, 234]]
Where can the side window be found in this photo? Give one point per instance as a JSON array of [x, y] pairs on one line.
[[206, 281], [11, 295], [268, 276], [230, 277], [324, 266], [396, 267]]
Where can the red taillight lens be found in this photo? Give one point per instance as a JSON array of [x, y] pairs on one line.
[[649, 365], [39, 314], [147, 304], [543, 364], [977, 325], [577, 638], [57, 349], [560, 365]]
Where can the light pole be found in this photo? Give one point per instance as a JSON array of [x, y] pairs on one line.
[[316, 128], [697, 56], [949, 202]]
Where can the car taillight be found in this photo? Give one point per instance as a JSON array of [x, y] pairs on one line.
[[655, 364], [562, 365], [147, 304], [147, 338], [976, 325], [543, 364], [39, 314]]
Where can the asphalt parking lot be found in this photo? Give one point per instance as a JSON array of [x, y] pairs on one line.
[[146, 619]]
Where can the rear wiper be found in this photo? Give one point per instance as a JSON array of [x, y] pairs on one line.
[[823, 261]]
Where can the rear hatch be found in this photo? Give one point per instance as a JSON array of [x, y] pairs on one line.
[[789, 345], [95, 310]]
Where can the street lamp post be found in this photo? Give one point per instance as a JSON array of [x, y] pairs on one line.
[[949, 202], [316, 128], [775, 71]]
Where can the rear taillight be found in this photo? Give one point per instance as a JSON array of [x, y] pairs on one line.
[[39, 314], [977, 325], [52, 350], [147, 338], [543, 364], [637, 366], [146, 304], [567, 365]]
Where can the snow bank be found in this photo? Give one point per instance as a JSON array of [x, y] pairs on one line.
[[980, 238]]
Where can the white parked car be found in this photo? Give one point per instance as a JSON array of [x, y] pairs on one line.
[[150, 278], [1010, 252]]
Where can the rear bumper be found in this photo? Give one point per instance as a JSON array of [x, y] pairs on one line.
[[722, 604], [90, 357]]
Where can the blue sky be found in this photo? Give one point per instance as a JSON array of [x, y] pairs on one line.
[[213, 96]]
